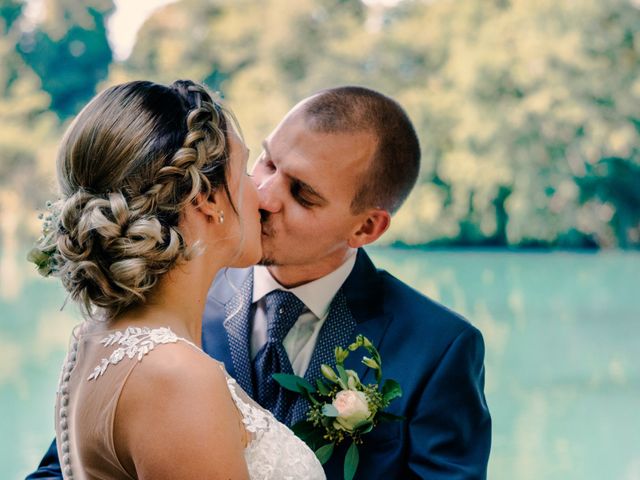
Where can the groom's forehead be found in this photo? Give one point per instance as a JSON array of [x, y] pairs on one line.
[[322, 159], [298, 148]]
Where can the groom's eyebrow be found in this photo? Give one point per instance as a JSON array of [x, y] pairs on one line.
[[308, 190], [296, 182]]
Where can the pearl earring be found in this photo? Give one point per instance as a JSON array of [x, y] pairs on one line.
[[220, 216]]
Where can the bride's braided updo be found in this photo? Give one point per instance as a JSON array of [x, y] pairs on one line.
[[128, 164]]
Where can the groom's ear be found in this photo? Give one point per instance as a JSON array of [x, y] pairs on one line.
[[374, 223]]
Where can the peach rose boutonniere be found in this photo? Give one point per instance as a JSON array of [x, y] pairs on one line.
[[342, 408]]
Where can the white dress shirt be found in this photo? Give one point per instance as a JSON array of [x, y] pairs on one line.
[[316, 296]]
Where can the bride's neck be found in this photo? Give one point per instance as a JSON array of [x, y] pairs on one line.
[[177, 301]]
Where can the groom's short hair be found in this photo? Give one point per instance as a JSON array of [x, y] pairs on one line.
[[396, 162]]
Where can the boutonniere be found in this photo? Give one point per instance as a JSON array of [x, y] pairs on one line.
[[342, 408]]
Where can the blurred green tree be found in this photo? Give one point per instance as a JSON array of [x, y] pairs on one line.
[[28, 129], [69, 51], [527, 110], [524, 100], [263, 56]]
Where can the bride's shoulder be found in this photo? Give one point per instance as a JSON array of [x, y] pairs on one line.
[[175, 384], [175, 402]]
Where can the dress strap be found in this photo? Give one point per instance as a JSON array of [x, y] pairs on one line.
[[135, 342]]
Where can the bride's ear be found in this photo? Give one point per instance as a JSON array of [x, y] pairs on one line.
[[208, 206]]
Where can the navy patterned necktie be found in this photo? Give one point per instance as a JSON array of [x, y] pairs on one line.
[[283, 310]]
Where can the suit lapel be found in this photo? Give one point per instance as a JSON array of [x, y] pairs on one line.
[[238, 327], [365, 297], [373, 329], [356, 309]]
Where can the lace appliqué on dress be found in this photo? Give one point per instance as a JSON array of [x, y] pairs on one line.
[[134, 341], [255, 420], [274, 451]]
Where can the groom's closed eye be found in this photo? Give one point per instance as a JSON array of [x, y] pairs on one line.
[[305, 195], [300, 195]]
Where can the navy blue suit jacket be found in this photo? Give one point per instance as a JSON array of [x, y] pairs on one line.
[[435, 355]]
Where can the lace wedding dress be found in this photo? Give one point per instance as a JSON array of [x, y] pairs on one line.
[[93, 375]]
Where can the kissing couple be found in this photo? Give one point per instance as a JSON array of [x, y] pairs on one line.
[[198, 282]]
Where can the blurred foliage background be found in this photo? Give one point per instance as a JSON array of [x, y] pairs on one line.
[[528, 111]]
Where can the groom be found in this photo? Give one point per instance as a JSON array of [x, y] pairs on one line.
[[330, 177]]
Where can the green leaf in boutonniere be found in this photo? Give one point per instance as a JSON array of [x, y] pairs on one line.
[[309, 434], [303, 429], [322, 387], [389, 417], [351, 461], [391, 390], [294, 383], [342, 407], [364, 427], [324, 453]]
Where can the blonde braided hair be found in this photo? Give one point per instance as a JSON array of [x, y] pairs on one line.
[[130, 162]]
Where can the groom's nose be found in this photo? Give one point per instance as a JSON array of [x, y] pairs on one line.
[[270, 194]]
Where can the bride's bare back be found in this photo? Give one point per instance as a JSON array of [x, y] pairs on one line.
[[166, 412], [145, 403]]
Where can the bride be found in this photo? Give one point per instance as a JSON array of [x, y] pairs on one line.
[[155, 201]]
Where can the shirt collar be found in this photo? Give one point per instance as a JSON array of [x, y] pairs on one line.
[[316, 295]]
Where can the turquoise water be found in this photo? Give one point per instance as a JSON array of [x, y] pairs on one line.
[[562, 332]]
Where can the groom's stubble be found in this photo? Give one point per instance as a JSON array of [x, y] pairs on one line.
[[266, 232]]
